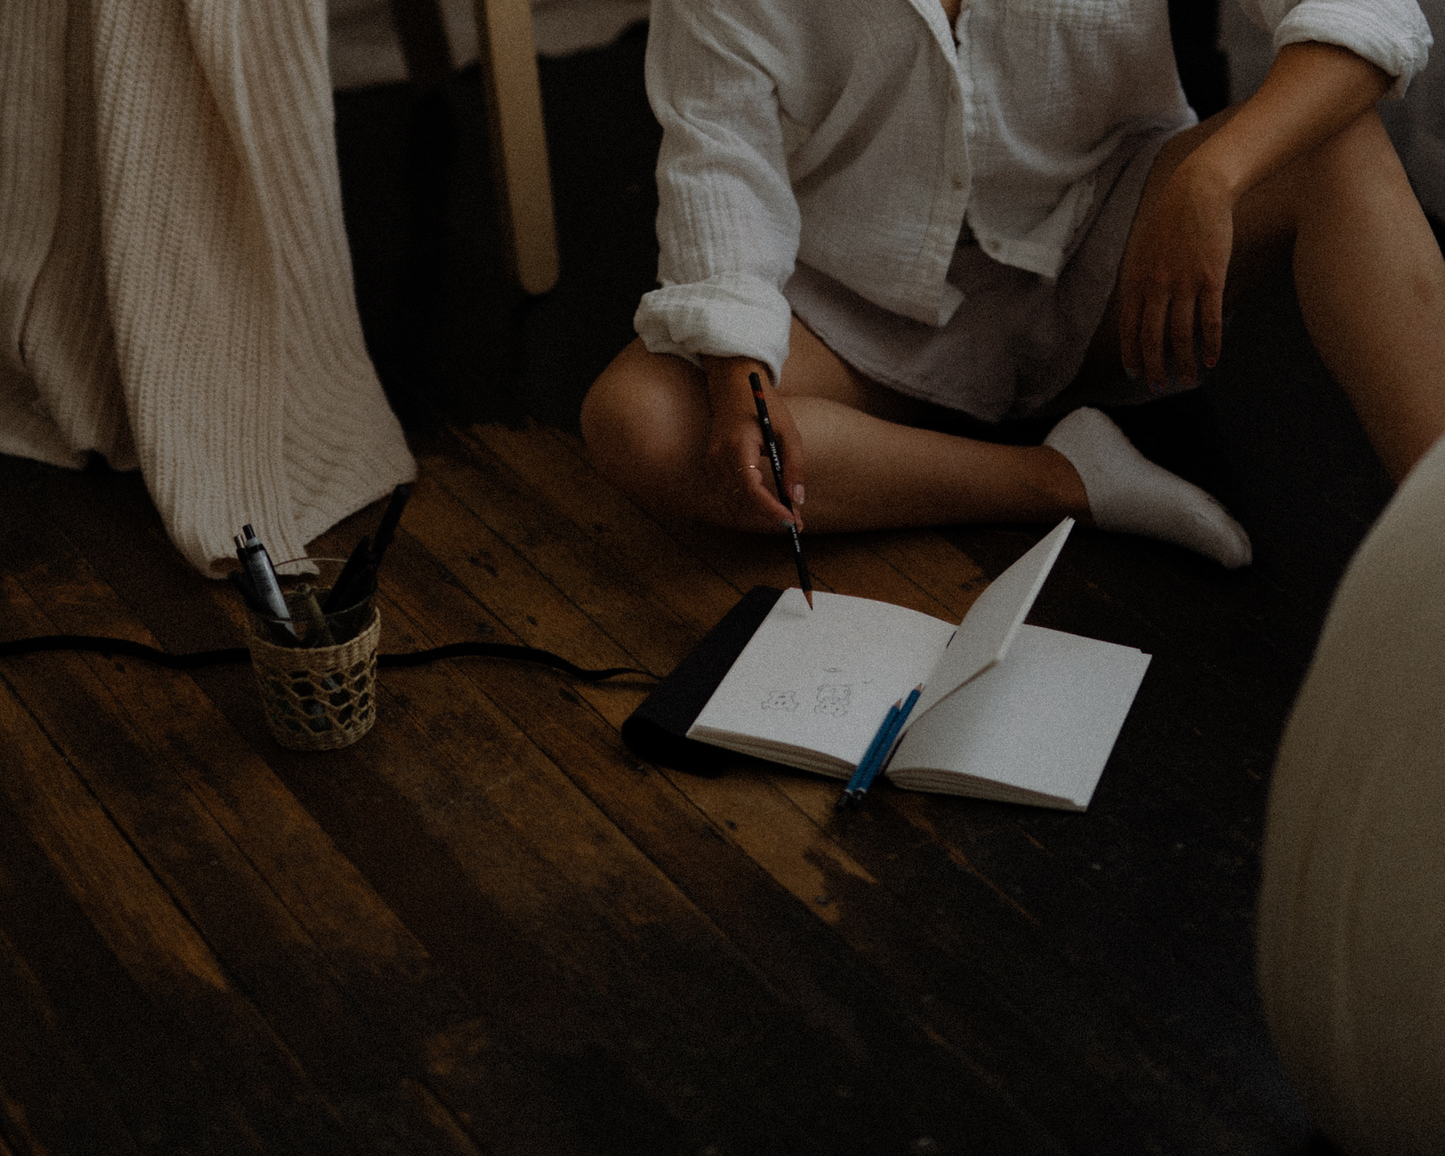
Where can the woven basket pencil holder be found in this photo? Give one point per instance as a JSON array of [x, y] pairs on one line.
[[318, 698]]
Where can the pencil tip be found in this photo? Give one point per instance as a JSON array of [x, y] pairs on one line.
[[808, 594]]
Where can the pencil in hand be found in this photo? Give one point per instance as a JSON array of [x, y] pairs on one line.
[[770, 443]]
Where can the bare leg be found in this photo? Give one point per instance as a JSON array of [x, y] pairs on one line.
[[871, 466], [646, 425], [1373, 294], [1369, 275]]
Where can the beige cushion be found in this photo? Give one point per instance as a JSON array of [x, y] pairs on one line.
[[1352, 909]]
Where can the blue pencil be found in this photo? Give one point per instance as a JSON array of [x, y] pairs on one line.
[[866, 762], [885, 748]]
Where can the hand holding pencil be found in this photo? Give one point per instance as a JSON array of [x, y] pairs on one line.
[[738, 467], [746, 444], [770, 443]]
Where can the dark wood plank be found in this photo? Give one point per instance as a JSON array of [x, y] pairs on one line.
[[705, 867], [385, 969], [156, 726], [724, 1013], [456, 1044], [128, 975], [591, 955], [50, 1099], [552, 465], [788, 843], [776, 847], [562, 552]]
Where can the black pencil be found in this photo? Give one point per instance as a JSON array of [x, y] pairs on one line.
[[389, 520], [771, 443], [346, 590], [358, 577]]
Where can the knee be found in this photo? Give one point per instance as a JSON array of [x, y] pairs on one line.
[[1364, 139], [610, 428], [643, 420], [1357, 162], [604, 422]]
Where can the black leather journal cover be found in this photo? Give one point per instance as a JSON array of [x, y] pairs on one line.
[[657, 730]]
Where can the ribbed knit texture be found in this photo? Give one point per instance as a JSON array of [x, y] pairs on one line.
[[175, 287]]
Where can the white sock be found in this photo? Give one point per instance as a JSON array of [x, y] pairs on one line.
[[1130, 494]]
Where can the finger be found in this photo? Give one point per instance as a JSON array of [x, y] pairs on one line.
[[763, 498], [1211, 324], [1151, 338], [733, 462], [752, 488], [778, 511], [794, 469], [1181, 334], [789, 486]]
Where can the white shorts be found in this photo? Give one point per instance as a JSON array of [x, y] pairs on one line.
[[1018, 340]]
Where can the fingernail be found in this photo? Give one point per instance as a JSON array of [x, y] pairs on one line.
[[1210, 362], [1131, 374], [786, 522], [1156, 387], [798, 494]]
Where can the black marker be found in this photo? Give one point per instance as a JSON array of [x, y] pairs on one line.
[[357, 580]]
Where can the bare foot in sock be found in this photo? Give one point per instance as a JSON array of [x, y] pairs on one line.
[[1130, 494]]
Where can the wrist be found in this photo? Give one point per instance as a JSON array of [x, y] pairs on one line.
[[728, 385], [1211, 178]]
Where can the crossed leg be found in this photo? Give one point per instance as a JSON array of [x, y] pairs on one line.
[[1371, 284], [872, 461]]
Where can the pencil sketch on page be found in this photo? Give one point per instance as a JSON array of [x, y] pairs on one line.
[[833, 700]]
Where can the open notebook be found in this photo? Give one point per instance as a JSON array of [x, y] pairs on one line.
[[1008, 711]]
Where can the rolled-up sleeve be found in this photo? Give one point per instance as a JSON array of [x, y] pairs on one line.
[[728, 223], [1390, 33]]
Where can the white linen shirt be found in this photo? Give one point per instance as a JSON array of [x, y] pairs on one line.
[[858, 136]]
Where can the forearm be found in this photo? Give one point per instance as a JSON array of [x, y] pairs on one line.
[[1312, 92], [727, 222]]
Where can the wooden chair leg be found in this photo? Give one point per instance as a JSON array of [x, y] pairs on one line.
[[519, 140]]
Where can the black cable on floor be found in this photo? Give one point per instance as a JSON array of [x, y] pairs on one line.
[[123, 647]]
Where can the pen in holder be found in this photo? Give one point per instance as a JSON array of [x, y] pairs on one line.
[[316, 669]]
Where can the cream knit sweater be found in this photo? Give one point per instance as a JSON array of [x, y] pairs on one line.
[[175, 287]]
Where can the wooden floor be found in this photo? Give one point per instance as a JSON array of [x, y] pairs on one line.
[[487, 928]]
